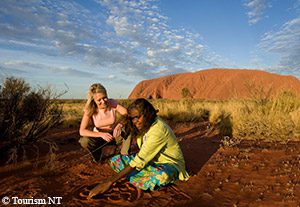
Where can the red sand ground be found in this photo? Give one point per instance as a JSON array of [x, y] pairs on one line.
[[216, 84], [251, 174]]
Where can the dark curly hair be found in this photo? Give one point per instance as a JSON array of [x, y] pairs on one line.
[[146, 109]]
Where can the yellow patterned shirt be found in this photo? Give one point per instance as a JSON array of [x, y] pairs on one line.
[[159, 145]]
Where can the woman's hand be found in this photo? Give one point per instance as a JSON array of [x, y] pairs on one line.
[[106, 136], [117, 130], [105, 185], [100, 188]]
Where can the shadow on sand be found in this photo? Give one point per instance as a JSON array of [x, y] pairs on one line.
[[198, 144]]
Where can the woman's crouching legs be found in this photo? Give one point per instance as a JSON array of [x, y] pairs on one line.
[[94, 146]]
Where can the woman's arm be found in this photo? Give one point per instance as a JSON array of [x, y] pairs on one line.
[[156, 141], [84, 131], [104, 186], [121, 109]]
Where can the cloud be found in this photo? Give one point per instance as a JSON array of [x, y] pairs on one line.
[[57, 24], [297, 5], [285, 43], [7, 71], [256, 10], [22, 67], [128, 37], [111, 77]]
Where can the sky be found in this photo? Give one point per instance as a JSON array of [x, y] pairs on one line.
[[69, 45]]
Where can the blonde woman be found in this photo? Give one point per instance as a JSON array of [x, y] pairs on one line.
[[101, 112]]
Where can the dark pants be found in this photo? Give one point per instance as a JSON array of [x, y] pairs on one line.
[[98, 147]]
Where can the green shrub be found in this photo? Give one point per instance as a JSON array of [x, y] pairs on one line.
[[185, 93]]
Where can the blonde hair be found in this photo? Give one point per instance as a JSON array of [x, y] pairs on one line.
[[90, 105]]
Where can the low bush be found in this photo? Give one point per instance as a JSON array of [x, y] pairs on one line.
[[26, 116]]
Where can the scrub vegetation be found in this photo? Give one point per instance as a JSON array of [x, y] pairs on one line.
[[26, 115], [258, 118]]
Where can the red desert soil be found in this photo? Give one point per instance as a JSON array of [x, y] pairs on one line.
[[215, 84], [250, 174]]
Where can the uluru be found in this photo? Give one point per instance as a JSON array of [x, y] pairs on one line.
[[215, 84]]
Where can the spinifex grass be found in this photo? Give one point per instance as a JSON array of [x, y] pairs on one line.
[[274, 119], [265, 118]]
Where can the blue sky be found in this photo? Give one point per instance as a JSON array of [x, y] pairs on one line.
[[72, 44]]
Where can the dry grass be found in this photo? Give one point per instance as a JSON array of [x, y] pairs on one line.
[[274, 119], [72, 112], [261, 117]]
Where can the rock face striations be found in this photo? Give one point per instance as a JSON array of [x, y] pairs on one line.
[[216, 84]]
